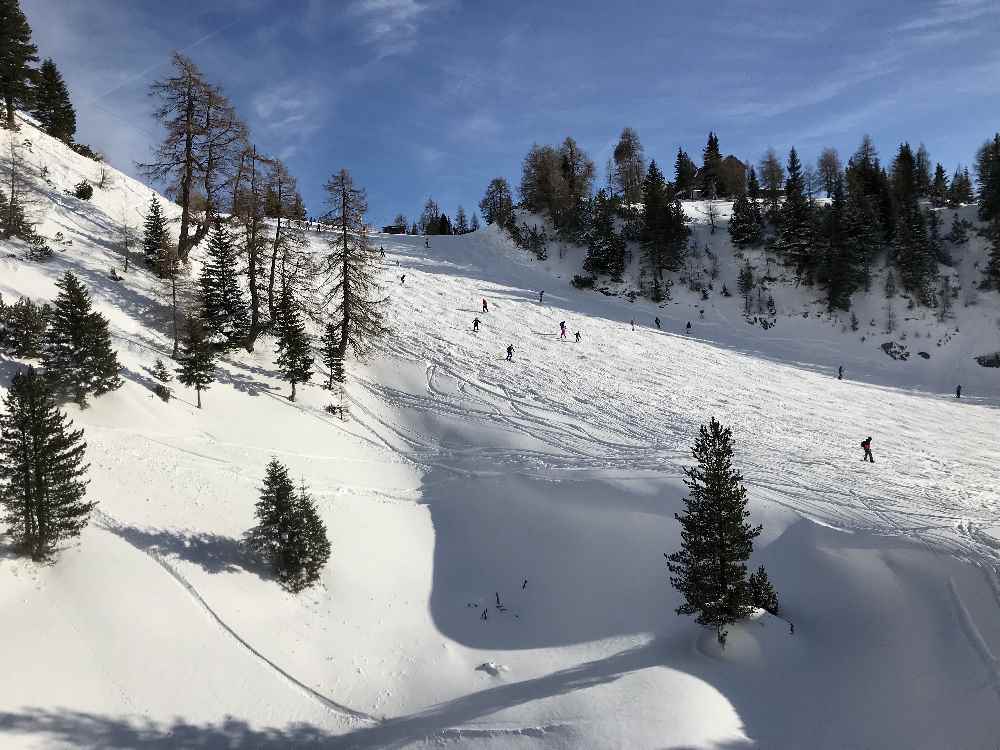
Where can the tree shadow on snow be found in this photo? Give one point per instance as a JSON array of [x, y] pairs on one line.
[[213, 553]]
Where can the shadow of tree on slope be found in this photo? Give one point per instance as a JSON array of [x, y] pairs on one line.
[[213, 553]]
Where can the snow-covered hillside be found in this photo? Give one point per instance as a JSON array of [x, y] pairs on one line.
[[459, 476]]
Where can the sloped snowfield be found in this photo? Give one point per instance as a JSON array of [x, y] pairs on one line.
[[459, 476]]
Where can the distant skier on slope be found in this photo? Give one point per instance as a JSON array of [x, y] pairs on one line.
[[688, 328], [540, 295], [381, 250], [562, 330], [633, 323], [427, 244], [577, 334], [840, 373], [402, 280], [510, 352], [867, 445], [475, 325], [958, 392], [486, 308], [657, 321]]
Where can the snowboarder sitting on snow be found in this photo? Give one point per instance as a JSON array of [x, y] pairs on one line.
[[485, 308], [867, 445], [577, 334], [562, 330], [510, 352], [475, 325]]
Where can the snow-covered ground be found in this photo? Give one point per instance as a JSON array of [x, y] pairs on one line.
[[458, 475]]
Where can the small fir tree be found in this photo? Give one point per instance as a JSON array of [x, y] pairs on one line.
[[295, 359], [744, 225], [154, 235], [762, 593], [331, 354], [16, 55], [53, 108], [710, 568], [224, 310], [77, 352], [42, 469], [745, 285], [289, 533], [197, 368], [24, 324]]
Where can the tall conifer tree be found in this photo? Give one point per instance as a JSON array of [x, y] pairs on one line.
[[223, 306], [197, 368], [295, 359], [53, 108]]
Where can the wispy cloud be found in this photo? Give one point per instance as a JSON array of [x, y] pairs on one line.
[[952, 13], [391, 27], [288, 115]]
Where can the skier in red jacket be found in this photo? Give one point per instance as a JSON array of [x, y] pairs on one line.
[[867, 445]]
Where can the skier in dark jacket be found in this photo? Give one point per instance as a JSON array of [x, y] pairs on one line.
[[958, 392], [486, 309], [540, 295], [840, 373], [402, 280], [688, 329], [867, 445], [657, 321], [510, 352], [577, 334], [562, 330], [475, 325]]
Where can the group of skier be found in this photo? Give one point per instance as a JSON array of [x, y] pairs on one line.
[[476, 322]]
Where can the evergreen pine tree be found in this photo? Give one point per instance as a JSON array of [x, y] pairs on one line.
[[710, 177], [988, 172], [762, 593], [197, 359], [710, 568], [24, 324], [605, 246], [795, 228], [53, 108], [474, 224], [160, 372], [938, 250], [224, 311], [289, 534], [745, 285], [77, 352], [294, 351], [16, 55], [154, 235], [331, 355], [461, 222], [653, 235], [42, 469], [684, 173], [744, 224], [993, 259], [939, 187], [959, 233]]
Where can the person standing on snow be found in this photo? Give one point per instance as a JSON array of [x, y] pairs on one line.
[[427, 244], [867, 445], [402, 280], [562, 330], [657, 321], [485, 308], [958, 392], [475, 325], [577, 334], [510, 352], [540, 295], [688, 329], [633, 323], [840, 373]]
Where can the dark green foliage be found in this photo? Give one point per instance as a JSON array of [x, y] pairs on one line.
[[988, 173], [959, 233], [685, 172], [294, 359], [938, 250], [22, 328], [83, 190], [289, 533], [84, 150], [16, 55], [745, 226], [911, 244], [42, 469], [762, 593], [224, 311], [663, 232], [939, 187], [745, 285], [77, 352], [197, 359], [497, 206], [154, 233], [960, 193], [331, 354], [795, 224], [993, 260], [716, 538], [163, 375], [13, 219], [53, 108], [710, 178], [605, 247]]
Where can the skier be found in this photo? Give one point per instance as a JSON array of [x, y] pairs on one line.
[[427, 244], [633, 323], [958, 392], [577, 334], [867, 445], [840, 373], [381, 250], [657, 321], [475, 325], [402, 280], [498, 598], [484, 613], [688, 330], [562, 330], [485, 308], [510, 352], [540, 295], [524, 585]]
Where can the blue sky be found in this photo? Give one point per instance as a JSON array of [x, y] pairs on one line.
[[423, 98]]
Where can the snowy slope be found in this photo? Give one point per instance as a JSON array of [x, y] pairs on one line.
[[457, 477]]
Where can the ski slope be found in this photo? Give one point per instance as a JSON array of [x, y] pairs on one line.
[[458, 476]]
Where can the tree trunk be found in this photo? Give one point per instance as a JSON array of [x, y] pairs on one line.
[[197, 389], [292, 397], [346, 322], [183, 243], [274, 258], [173, 294], [253, 251]]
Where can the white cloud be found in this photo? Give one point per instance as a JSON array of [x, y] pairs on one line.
[[391, 27], [951, 13]]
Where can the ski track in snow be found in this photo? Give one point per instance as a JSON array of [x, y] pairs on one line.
[[110, 523]]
